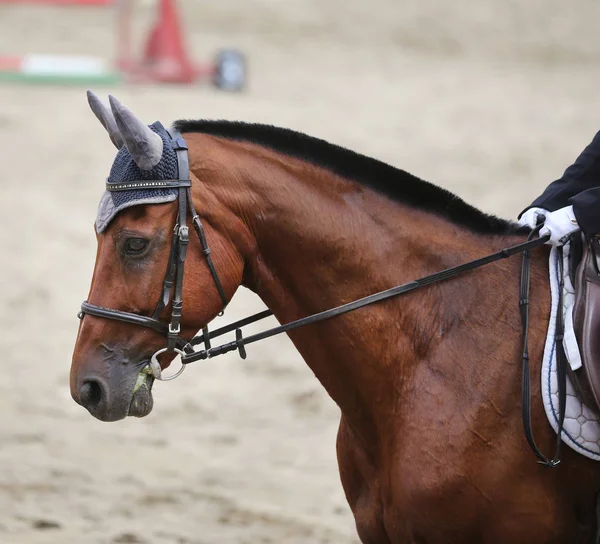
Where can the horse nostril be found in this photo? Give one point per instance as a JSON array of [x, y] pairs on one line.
[[90, 393]]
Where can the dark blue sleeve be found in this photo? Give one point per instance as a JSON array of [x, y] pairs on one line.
[[583, 175], [586, 206]]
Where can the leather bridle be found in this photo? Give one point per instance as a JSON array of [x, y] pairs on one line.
[[173, 287], [173, 282]]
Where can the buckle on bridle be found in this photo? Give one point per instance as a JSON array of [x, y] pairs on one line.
[[184, 234], [172, 337], [184, 237]]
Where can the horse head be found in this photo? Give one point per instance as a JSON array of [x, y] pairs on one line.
[[141, 231]]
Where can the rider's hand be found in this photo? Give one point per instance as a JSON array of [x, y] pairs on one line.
[[559, 225], [531, 217]]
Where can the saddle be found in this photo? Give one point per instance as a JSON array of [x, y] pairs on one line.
[[585, 274]]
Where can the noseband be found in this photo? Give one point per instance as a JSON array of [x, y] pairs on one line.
[[173, 282]]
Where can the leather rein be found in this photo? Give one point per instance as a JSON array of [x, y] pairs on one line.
[[173, 288]]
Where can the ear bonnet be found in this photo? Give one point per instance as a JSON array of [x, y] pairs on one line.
[[145, 153], [152, 167]]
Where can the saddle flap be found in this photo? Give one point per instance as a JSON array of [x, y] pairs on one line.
[[586, 379]]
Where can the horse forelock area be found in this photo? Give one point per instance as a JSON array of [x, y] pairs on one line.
[[395, 183]]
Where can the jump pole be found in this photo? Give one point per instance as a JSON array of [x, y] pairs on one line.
[[164, 60], [57, 69]]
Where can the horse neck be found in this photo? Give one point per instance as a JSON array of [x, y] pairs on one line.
[[319, 241]]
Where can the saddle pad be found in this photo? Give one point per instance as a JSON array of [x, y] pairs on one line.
[[581, 430]]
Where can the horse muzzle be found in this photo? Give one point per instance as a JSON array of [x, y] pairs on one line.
[[123, 390]]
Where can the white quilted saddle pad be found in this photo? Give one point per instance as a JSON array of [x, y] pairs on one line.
[[581, 429]]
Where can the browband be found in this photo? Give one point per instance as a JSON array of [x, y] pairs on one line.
[[162, 184]]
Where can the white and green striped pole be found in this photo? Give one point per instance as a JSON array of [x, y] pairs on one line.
[[57, 69]]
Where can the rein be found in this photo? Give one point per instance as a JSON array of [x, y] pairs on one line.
[[561, 358], [173, 289], [240, 342]]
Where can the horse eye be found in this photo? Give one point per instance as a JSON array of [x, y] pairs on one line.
[[135, 246]]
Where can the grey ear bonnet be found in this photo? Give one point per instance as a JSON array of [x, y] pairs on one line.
[[124, 169]]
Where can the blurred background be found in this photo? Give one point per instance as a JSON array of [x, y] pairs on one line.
[[489, 99]]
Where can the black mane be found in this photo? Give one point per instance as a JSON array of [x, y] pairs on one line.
[[392, 182]]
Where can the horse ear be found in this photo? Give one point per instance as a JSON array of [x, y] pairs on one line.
[[145, 146], [107, 119]]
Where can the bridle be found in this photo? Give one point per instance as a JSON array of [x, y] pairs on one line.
[[173, 282], [173, 287]]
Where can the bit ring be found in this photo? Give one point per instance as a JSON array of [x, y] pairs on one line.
[[157, 371]]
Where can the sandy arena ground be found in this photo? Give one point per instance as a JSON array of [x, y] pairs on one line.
[[491, 100]]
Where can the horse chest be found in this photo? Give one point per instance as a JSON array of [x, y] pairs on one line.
[[407, 499]]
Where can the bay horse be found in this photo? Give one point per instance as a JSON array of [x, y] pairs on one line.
[[430, 444]]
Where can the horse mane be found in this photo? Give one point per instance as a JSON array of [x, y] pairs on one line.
[[388, 180]]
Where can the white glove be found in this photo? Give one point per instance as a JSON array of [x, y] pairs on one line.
[[530, 217], [559, 225]]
